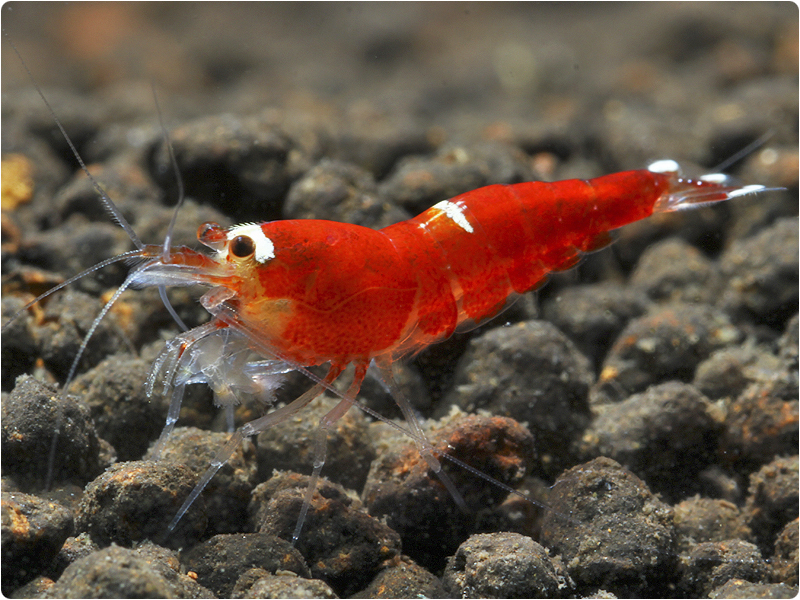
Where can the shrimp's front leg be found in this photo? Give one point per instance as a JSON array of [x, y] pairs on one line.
[[220, 357]]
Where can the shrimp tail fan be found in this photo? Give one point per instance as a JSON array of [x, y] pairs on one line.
[[687, 193]]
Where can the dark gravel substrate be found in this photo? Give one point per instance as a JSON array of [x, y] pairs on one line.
[[648, 398]]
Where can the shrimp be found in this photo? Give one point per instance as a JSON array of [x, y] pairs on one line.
[[289, 295], [304, 293]]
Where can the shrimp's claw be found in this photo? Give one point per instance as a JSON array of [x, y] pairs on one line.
[[220, 357]]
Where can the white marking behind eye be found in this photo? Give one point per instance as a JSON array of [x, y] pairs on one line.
[[265, 249], [456, 213]]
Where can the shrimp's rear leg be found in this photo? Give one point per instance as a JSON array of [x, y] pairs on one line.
[[321, 443], [423, 445], [252, 428]]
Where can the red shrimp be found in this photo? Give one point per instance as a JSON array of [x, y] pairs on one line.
[[311, 292]]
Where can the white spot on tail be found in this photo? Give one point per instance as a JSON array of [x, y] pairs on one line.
[[719, 178], [265, 249], [748, 189], [664, 166], [456, 213]]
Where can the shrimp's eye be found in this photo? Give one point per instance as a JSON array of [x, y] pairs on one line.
[[242, 246]]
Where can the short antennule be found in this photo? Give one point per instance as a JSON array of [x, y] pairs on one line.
[[686, 193]]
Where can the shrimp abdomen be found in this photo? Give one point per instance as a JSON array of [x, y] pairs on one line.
[[476, 251]]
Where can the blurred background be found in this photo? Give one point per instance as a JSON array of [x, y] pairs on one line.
[[646, 79]]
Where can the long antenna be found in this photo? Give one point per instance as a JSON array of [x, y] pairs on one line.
[[737, 156], [162, 289], [109, 205]]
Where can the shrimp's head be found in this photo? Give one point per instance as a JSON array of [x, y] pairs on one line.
[[310, 289], [230, 270]]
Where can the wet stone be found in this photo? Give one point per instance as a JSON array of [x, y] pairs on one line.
[[67, 318], [228, 493], [739, 588], [74, 548], [287, 586], [77, 245], [660, 346], [339, 191], [712, 564], [728, 372], [74, 242], [505, 565], [666, 435], [674, 270], [122, 413], [787, 548], [19, 346], [772, 500], [343, 545], [242, 165], [167, 563], [699, 520], [291, 445], [593, 315], [31, 414], [33, 530], [51, 170], [403, 578], [35, 588], [532, 373], [220, 561], [136, 501], [788, 347], [377, 140], [117, 572], [417, 183], [610, 531], [248, 578], [762, 275], [403, 490], [762, 423], [123, 179]]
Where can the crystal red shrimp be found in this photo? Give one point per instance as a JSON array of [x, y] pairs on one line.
[[311, 292]]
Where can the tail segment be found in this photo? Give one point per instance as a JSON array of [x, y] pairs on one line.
[[686, 193]]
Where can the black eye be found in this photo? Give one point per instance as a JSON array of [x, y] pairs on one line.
[[242, 246]]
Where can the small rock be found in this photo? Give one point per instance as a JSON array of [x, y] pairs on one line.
[[220, 561], [343, 545], [712, 564], [532, 373], [403, 578], [772, 500], [699, 520], [33, 531], [136, 501], [610, 531], [505, 565]]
